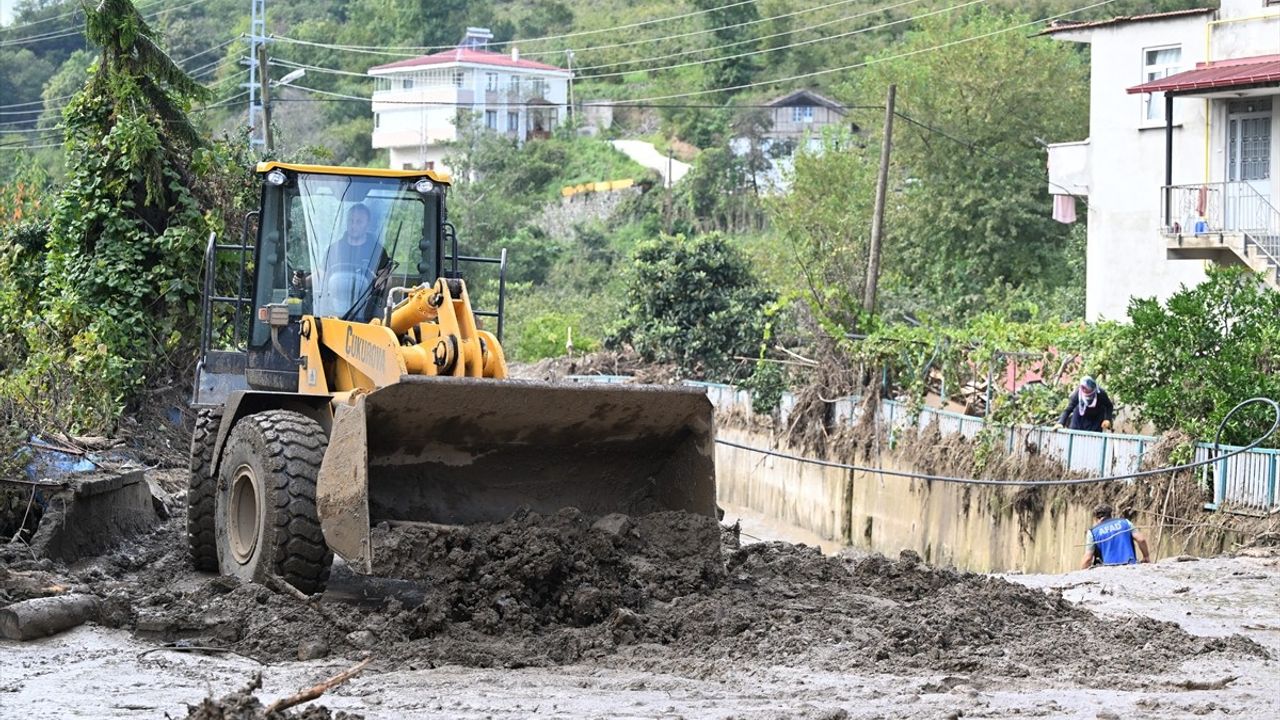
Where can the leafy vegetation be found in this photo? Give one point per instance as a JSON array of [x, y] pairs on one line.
[[101, 290], [1188, 361], [693, 301], [103, 215]]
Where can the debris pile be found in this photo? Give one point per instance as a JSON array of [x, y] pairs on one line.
[[244, 705], [655, 592]]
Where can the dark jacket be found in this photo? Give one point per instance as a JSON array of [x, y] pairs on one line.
[[1092, 418]]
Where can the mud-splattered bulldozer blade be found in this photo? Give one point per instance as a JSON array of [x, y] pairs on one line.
[[457, 451]]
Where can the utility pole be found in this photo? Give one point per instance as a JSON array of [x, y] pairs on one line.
[[571, 118], [257, 40], [265, 79], [877, 216]]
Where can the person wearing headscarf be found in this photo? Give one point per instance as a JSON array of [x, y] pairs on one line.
[[1090, 408]]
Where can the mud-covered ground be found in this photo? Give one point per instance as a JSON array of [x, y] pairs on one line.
[[658, 616]]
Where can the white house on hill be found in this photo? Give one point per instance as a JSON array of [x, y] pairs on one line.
[[1180, 161], [417, 102]]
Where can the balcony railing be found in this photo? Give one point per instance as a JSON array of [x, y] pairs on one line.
[[1216, 208]]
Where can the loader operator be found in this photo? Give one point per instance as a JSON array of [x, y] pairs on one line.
[[348, 276]]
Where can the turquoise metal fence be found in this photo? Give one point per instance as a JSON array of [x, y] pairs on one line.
[[1249, 481]]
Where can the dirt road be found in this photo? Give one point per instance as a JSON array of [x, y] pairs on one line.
[[789, 634]]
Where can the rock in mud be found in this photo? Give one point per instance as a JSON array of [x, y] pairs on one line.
[[312, 649]]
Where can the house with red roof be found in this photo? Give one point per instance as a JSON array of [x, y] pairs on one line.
[[418, 103], [1181, 163]]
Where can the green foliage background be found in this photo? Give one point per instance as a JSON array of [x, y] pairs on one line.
[[123, 149]]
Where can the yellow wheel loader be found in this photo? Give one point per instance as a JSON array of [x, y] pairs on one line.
[[345, 381]]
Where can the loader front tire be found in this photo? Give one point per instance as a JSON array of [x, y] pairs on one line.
[[266, 501], [201, 489]]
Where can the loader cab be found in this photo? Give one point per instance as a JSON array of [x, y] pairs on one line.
[[331, 242]]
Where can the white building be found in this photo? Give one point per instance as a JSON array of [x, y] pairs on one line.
[[1179, 164], [417, 103]]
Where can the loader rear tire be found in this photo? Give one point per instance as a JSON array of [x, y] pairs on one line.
[[266, 501], [201, 489]]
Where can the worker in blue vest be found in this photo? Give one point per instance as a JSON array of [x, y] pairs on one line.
[[1111, 541]]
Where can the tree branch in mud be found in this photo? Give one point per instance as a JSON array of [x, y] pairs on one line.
[[1206, 684], [316, 691]]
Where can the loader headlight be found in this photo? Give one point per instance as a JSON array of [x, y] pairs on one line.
[[424, 186], [277, 177]]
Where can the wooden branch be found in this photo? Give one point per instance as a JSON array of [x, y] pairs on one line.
[[1206, 684], [316, 691]]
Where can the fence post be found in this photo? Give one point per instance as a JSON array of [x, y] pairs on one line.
[[1220, 483], [1102, 461], [1071, 443], [1272, 500]]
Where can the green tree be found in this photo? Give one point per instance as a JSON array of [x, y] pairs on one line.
[[693, 301], [824, 222], [970, 209], [733, 29], [1186, 362], [121, 251]]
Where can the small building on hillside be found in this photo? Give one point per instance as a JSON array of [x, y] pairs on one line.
[[418, 102], [786, 124], [1180, 161], [800, 116]]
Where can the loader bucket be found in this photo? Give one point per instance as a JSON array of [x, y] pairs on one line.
[[458, 451]]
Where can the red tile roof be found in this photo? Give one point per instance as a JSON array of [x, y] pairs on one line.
[[1064, 26], [469, 55], [1261, 70]]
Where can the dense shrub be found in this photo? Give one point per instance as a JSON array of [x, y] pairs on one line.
[[693, 301]]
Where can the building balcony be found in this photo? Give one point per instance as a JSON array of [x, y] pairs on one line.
[[1230, 223]]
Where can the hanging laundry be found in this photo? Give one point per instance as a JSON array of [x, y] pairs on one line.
[[1064, 208]]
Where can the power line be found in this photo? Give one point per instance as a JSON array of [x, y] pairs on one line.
[[29, 147], [969, 144], [801, 43], [873, 61], [29, 39], [229, 101], [344, 97], [41, 110], [825, 38], [77, 11], [418, 49], [738, 42]]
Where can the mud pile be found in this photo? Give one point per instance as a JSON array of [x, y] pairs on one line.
[[535, 571], [656, 593], [785, 603]]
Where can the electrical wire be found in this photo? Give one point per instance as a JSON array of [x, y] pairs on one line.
[[29, 39], [417, 49], [344, 97], [1275, 407], [978, 148], [801, 43], [39, 111], [77, 11], [874, 61], [702, 31], [745, 41]]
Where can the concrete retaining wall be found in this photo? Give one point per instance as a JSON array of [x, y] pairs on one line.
[[970, 527]]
